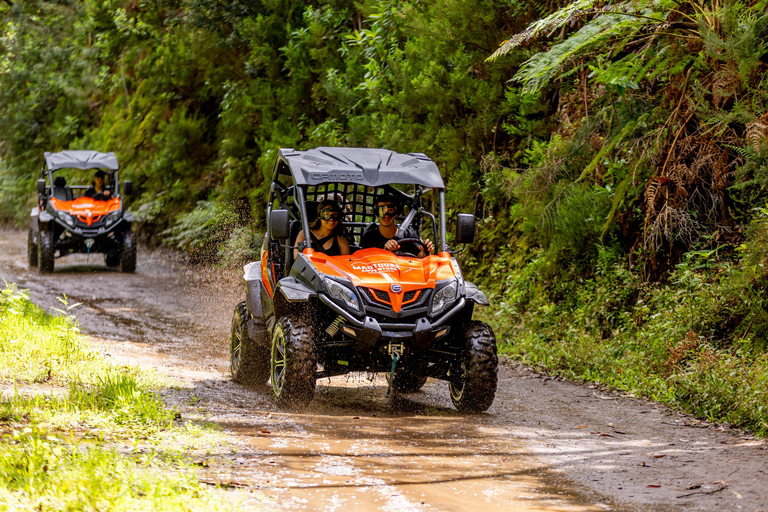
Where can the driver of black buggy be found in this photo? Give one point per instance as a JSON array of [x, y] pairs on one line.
[[98, 191], [384, 235]]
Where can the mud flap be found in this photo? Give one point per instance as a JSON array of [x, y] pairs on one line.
[[257, 331], [252, 278]]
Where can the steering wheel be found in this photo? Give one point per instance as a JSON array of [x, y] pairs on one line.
[[414, 241]]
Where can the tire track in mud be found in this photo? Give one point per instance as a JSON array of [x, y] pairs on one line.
[[543, 445]]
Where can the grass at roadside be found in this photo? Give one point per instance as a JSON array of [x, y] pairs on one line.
[[84, 434], [665, 341]]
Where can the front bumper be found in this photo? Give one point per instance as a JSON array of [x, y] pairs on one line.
[[370, 332]]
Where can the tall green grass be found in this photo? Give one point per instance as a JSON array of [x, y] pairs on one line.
[[54, 453]]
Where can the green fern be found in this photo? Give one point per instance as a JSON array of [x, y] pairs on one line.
[[541, 69]]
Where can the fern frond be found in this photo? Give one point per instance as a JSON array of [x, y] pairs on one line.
[[545, 25], [540, 69], [757, 131]]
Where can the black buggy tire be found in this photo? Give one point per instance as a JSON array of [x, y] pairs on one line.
[[475, 375], [249, 363], [407, 380], [128, 252], [32, 248], [293, 362], [46, 248]]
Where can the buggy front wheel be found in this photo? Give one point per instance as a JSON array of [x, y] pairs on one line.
[[46, 249], [128, 252], [475, 374], [32, 248], [293, 362]]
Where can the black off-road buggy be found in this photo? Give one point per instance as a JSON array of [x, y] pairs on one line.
[[371, 311], [66, 222]]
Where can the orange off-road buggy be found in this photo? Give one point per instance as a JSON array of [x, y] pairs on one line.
[[371, 311], [65, 221]]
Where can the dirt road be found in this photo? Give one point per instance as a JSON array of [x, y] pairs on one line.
[[543, 445]]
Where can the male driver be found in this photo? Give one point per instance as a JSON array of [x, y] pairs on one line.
[[97, 190], [384, 235]]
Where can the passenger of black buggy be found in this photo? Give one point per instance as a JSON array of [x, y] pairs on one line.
[[60, 190], [384, 235], [98, 191], [327, 231]]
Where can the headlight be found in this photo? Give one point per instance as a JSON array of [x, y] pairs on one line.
[[112, 217], [443, 297], [340, 292], [67, 218]]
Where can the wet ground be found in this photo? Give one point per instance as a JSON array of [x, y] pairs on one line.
[[543, 445]]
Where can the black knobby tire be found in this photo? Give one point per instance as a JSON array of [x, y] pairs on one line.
[[249, 363], [408, 380], [32, 248], [128, 252], [293, 362], [475, 376], [112, 260], [46, 248]]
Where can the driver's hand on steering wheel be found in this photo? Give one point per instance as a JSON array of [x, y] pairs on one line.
[[392, 245]]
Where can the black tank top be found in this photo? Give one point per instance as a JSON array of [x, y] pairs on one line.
[[319, 244]]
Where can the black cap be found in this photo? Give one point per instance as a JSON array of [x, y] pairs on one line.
[[100, 174]]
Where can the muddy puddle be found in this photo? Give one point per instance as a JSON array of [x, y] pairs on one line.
[[394, 454]]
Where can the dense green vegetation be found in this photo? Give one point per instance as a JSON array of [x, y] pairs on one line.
[[62, 451], [614, 150]]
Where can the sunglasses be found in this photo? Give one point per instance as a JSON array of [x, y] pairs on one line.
[[329, 215], [387, 210]]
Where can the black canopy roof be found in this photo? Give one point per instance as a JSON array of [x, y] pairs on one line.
[[80, 160], [364, 166]]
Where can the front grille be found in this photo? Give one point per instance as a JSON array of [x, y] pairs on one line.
[[381, 295], [413, 302]]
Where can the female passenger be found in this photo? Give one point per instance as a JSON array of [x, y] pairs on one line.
[[327, 231]]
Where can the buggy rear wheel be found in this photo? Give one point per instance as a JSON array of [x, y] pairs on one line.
[[249, 363], [128, 252], [46, 249], [474, 377], [32, 248], [293, 362]]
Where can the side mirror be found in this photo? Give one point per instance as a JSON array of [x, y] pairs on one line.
[[41, 186], [128, 187], [279, 224], [465, 228]]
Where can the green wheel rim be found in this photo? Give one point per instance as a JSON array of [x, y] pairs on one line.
[[457, 385], [278, 361], [236, 343]]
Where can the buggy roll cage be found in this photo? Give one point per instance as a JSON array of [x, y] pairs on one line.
[[360, 173], [79, 159]]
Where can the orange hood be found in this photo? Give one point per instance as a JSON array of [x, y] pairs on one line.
[[87, 209], [379, 269]]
